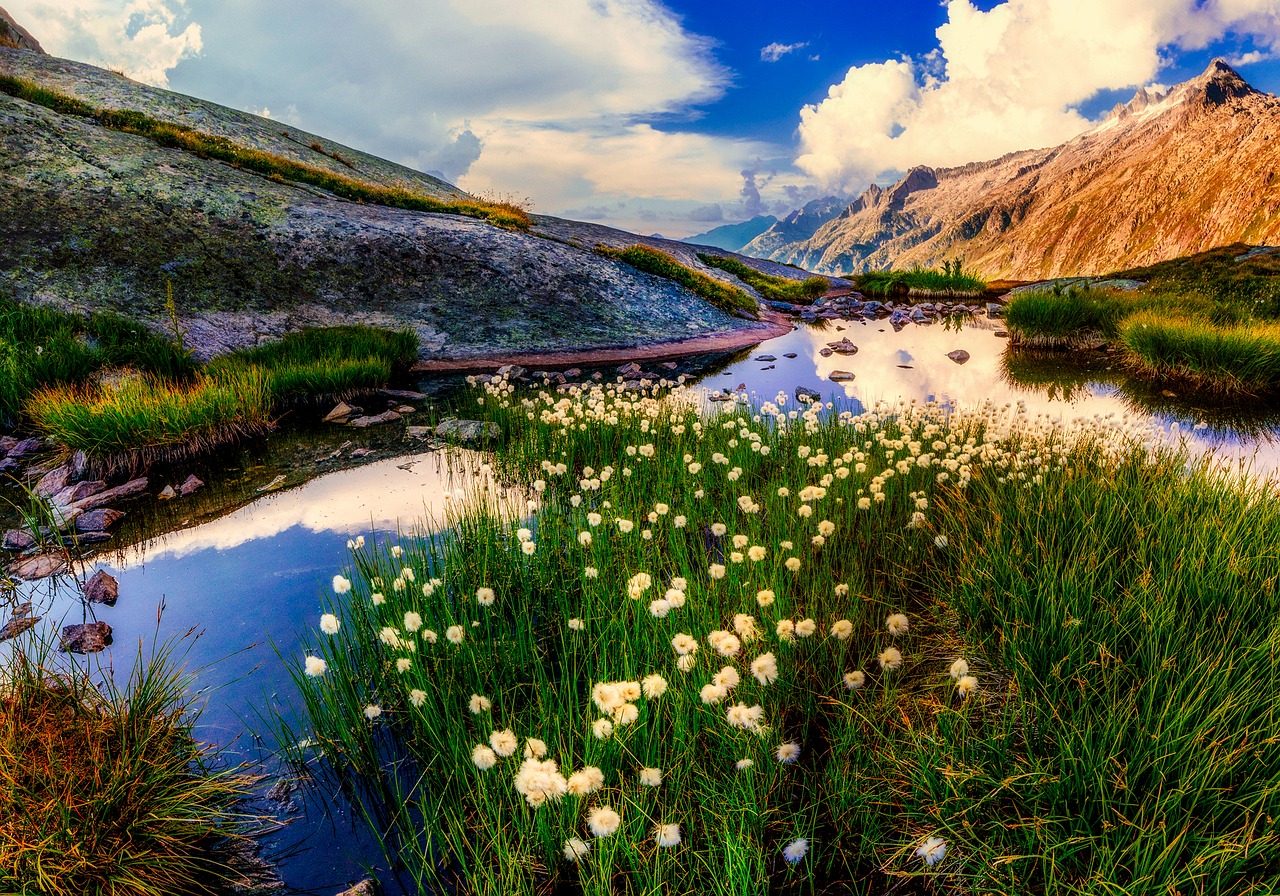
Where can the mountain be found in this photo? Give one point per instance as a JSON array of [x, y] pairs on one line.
[[732, 237], [800, 225], [14, 35], [1165, 175], [95, 214]]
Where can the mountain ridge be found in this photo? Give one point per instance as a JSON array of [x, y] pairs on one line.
[[1164, 175]]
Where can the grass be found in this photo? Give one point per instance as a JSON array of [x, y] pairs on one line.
[[727, 298], [780, 289], [1114, 603], [268, 164], [951, 282], [1238, 359], [43, 346], [105, 791]]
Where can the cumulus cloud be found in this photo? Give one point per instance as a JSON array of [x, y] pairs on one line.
[[775, 51], [143, 38], [1007, 78]]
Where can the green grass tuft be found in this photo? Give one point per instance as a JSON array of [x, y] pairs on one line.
[[779, 289], [1240, 359], [951, 282], [660, 264]]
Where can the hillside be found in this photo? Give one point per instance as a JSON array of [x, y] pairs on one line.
[[732, 237], [1164, 175], [94, 217]]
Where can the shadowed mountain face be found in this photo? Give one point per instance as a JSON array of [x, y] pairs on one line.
[[1165, 175], [14, 35], [96, 218]]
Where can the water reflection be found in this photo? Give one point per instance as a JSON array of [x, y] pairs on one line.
[[913, 363]]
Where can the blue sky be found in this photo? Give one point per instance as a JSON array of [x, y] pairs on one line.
[[669, 116]]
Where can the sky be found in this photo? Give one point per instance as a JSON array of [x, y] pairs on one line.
[[668, 117]]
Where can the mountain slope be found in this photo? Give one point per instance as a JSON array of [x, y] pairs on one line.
[[732, 237], [92, 217], [1165, 175]]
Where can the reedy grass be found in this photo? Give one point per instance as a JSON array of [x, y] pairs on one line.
[[131, 121], [1115, 602], [652, 261], [782, 289], [1240, 359], [951, 282], [104, 791]]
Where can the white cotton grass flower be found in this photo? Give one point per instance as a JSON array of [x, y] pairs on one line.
[[842, 630], [625, 714], [765, 668], [479, 704], [638, 584], [794, 851], [897, 624], [504, 742], [524, 534], [485, 597], [412, 621], [788, 753], [591, 572], [454, 634], [417, 697], [659, 608], [586, 780], [602, 729], [666, 835], [756, 553], [716, 570], [786, 630], [712, 694], [653, 686], [576, 625], [826, 528], [932, 850], [528, 547], [594, 519], [534, 748], [940, 542], [576, 850], [684, 644], [765, 597], [651, 777], [727, 678], [745, 626], [329, 624], [372, 711], [687, 662], [749, 717], [315, 666], [806, 628], [724, 643], [841, 590], [890, 659], [718, 529], [959, 669], [966, 685], [743, 764], [483, 757], [404, 664], [603, 821], [429, 636], [741, 541], [540, 782], [377, 599], [341, 585], [855, 679], [793, 563]]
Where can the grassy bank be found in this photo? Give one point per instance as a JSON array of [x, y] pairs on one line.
[[1208, 321], [660, 264], [779, 289], [261, 162], [777, 652], [951, 282], [105, 791]]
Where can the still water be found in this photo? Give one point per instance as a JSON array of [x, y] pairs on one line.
[[249, 582]]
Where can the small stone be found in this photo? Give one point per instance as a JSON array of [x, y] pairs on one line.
[[167, 493], [361, 452], [807, 396], [405, 409], [668, 365], [377, 420], [630, 369], [790, 355], [74, 494], [511, 371], [959, 356], [420, 432], [19, 622], [825, 352], [8, 465], [130, 489], [906, 367], [766, 358], [994, 310], [26, 447], [98, 520], [1002, 334], [573, 373], [840, 376], [102, 588], [273, 484], [364, 888], [341, 413], [404, 394], [89, 637], [190, 485], [468, 431], [38, 566], [843, 347], [17, 540]]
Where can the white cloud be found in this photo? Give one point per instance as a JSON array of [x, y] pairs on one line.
[[1007, 79], [142, 38], [775, 51]]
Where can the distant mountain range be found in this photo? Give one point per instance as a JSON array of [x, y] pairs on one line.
[[732, 237], [1165, 175]]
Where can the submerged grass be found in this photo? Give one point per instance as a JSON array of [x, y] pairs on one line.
[[837, 652], [105, 792], [781, 289], [951, 282], [652, 261], [268, 164]]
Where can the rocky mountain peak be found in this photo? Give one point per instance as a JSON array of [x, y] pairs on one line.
[[14, 35], [1216, 85]]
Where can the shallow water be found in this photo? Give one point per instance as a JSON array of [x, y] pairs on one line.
[[251, 580]]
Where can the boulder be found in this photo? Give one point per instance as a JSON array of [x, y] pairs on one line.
[[26, 447], [843, 347], [38, 566], [765, 358], [629, 370], [364, 888], [959, 356], [511, 371], [75, 494], [468, 431], [98, 520], [840, 376], [88, 637], [8, 465], [994, 310], [807, 396], [404, 394], [420, 432], [19, 622], [54, 481], [102, 588], [167, 493], [130, 489], [376, 420], [190, 485], [17, 540], [341, 413]]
